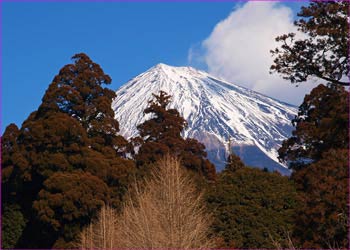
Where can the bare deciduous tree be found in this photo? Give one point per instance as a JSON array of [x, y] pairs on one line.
[[101, 233], [167, 212]]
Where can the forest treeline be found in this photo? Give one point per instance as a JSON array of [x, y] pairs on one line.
[[70, 180]]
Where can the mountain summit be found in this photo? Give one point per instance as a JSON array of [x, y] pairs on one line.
[[219, 114]]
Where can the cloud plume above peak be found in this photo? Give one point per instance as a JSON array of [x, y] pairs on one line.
[[238, 50]]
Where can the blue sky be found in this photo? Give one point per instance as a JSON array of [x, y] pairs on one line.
[[124, 38]]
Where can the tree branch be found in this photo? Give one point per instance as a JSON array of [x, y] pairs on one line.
[[333, 81]]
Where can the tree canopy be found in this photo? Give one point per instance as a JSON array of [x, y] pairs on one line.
[[66, 159], [321, 124], [77, 91], [324, 50], [252, 208], [318, 150], [233, 164], [321, 219]]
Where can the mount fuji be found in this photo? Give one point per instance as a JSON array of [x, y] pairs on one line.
[[222, 115]]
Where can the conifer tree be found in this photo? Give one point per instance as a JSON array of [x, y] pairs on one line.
[[318, 152], [77, 91], [321, 132], [321, 124], [73, 131], [67, 202], [12, 225], [161, 135]]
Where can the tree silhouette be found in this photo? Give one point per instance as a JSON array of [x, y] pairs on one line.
[[324, 53], [161, 135]]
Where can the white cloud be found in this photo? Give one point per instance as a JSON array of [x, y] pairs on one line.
[[238, 50]]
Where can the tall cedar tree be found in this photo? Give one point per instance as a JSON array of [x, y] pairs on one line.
[[324, 53], [321, 124], [64, 162], [161, 135], [77, 91], [318, 152], [252, 208]]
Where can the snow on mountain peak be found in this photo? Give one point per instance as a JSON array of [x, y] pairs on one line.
[[216, 111]]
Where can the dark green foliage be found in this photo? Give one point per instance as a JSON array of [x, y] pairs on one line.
[[64, 161], [13, 223], [324, 53], [161, 135], [252, 208]]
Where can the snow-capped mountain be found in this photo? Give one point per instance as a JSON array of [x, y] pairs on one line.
[[217, 111]]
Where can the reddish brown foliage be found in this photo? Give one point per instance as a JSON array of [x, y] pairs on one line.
[[322, 124], [318, 153], [322, 219], [161, 135], [72, 135]]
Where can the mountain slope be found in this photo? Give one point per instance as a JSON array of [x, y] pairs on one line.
[[216, 111]]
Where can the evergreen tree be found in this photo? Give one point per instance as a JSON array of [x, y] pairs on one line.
[[251, 208], [318, 153], [324, 53], [161, 135], [72, 132], [77, 91], [322, 219], [67, 202], [318, 150], [321, 124]]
